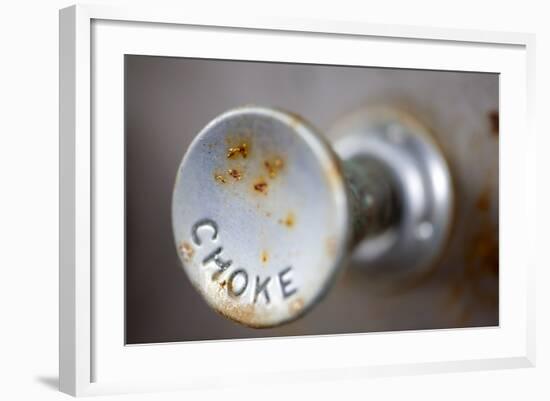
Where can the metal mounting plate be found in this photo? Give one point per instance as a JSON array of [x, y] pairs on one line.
[[423, 183]]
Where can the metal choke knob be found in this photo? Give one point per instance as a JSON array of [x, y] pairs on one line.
[[264, 212]]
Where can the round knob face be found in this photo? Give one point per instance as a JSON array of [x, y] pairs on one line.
[[260, 215]]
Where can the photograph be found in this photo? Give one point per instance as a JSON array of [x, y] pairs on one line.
[[271, 199], [309, 201]]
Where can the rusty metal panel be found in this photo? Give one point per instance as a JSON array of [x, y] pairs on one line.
[[169, 100]]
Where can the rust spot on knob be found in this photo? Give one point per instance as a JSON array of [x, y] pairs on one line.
[[289, 221], [264, 256], [186, 250], [261, 186], [235, 151], [273, 167], [244, 314], [236, 174], [296, 306], [219, 178]]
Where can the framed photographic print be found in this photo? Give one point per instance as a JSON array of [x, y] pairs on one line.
[[290, 199]]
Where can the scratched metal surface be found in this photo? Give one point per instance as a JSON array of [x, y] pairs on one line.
[[168, 100]]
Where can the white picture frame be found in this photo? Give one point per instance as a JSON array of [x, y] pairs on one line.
[[93, 357]]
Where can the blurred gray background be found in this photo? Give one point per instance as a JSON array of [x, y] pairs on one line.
[[168, 100]]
